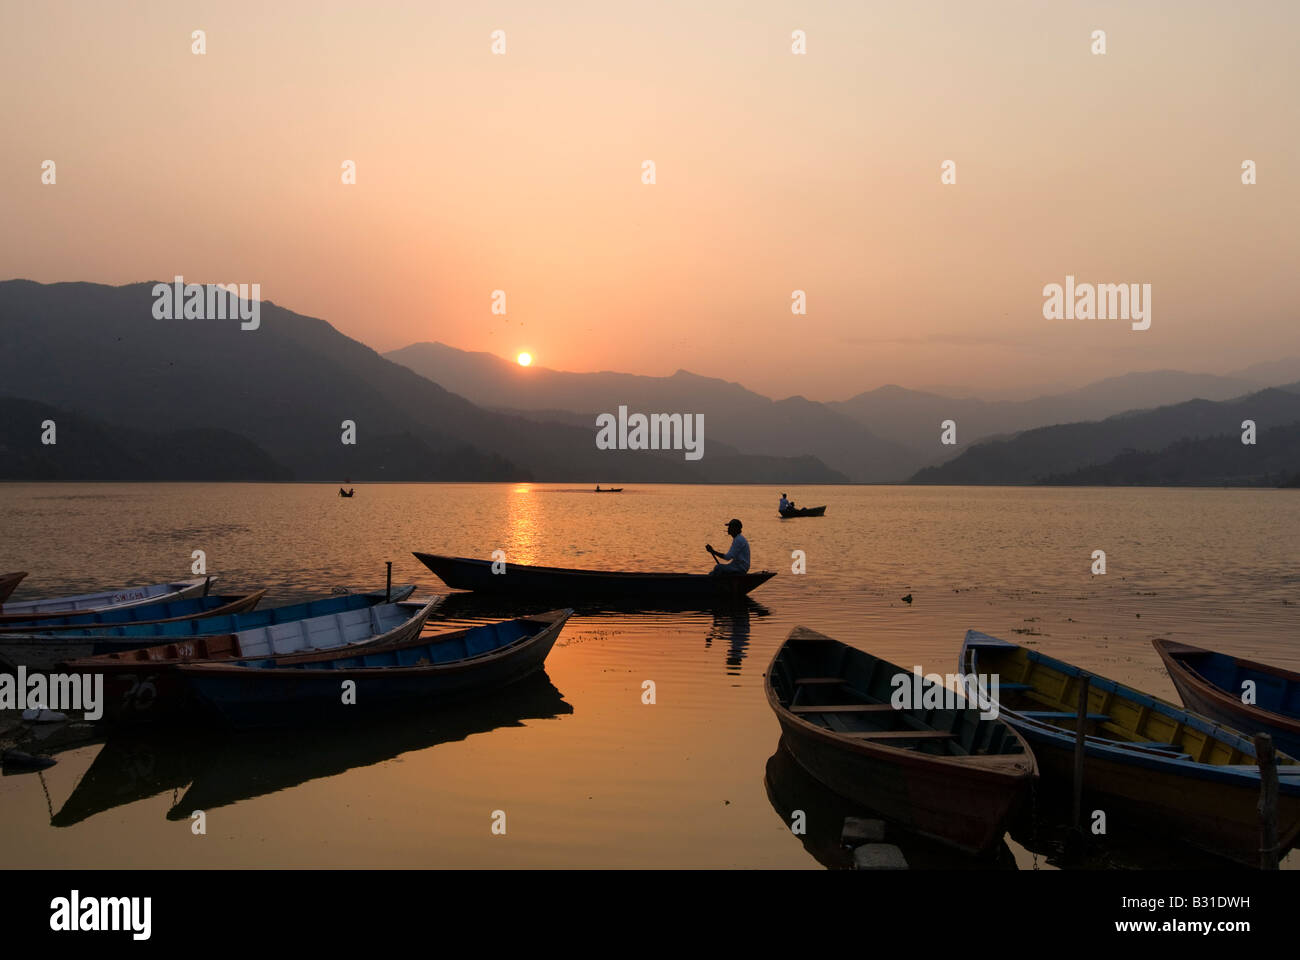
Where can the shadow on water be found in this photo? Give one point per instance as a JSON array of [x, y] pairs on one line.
[[790, 787], [221, 769], [1043, 828], [481, 606]]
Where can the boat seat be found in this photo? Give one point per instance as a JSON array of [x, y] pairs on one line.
[[846, 708], [1060, 715], [899, 734], [809, 681], [1015, 686]]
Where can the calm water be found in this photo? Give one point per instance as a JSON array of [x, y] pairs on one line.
[[586, 774]]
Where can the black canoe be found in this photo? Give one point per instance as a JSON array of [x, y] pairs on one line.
[[944, 772], [563, 584], [804, 512]]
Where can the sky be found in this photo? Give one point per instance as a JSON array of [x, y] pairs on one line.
[[774, 172]]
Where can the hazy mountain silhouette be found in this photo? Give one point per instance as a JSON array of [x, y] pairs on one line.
[[741, 418], [1057, 452], [913, 418], [1273, 461], [879, 435], [86, 449], [97, 352]]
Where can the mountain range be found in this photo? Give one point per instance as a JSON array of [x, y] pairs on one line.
[[140, 398]]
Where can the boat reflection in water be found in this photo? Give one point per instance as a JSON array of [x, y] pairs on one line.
[[216, 769], [791, 788], [731, 625]]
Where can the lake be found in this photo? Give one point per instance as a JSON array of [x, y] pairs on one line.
[[584, 772]]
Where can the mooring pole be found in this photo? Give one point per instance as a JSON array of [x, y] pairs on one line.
[[1080, 737], [388, 589], [1267, 761]]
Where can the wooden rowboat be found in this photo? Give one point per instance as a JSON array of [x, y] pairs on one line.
[[44, 650], [143, 684], [946, 774], [1171, 768], [1213, 683], [8, 581], [425, 670], [803, 512], [103, 621], [566, 584], [109, 599]]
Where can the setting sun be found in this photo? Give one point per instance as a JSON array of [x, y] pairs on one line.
[[525, 359]]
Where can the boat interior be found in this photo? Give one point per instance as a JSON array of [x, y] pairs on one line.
[[849, 692], [1047, 691], [1274, 690]]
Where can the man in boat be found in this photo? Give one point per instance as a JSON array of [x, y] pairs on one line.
[[737, 557], [785, 504]]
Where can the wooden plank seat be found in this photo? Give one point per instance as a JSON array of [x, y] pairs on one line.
[[899, 734], [1060, 715], [847, 708]]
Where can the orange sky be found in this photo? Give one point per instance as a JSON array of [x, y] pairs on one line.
[[775, 172]]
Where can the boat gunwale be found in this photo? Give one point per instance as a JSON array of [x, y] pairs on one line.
[[1169, 651], [1135, 755], [998, 767], [554, 622]]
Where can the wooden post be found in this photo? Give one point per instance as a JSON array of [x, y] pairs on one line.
[[1080, 736], [1267, 761], [388, 590]]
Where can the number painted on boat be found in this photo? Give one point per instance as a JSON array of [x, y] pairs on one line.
[[140, 694]]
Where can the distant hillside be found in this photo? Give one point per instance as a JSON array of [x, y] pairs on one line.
[[912, 418], [1273, 461], [86, 449], [1052, 452], [97, 350], [733, 415]]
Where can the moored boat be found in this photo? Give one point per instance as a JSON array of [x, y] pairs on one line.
[[8, 581], [426, 670], [170, 611], [47, 649], [108, 599], [1214, 684], [944, 773], [566, 584], [1171, 768], [142, 684], [803, 512]]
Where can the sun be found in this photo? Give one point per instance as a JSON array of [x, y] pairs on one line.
[[525, 359]]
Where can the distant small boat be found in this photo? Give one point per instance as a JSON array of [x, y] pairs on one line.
[[609, 489], [804, 512], [108, 599], [347, 493], [141, 684], [1211, 683], [1175, 769], [46, 649], [944, 773], [7, 583], [424, 671], [563, 583]]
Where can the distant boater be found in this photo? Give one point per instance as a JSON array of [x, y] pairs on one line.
[[785, 504], [737, 557]]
